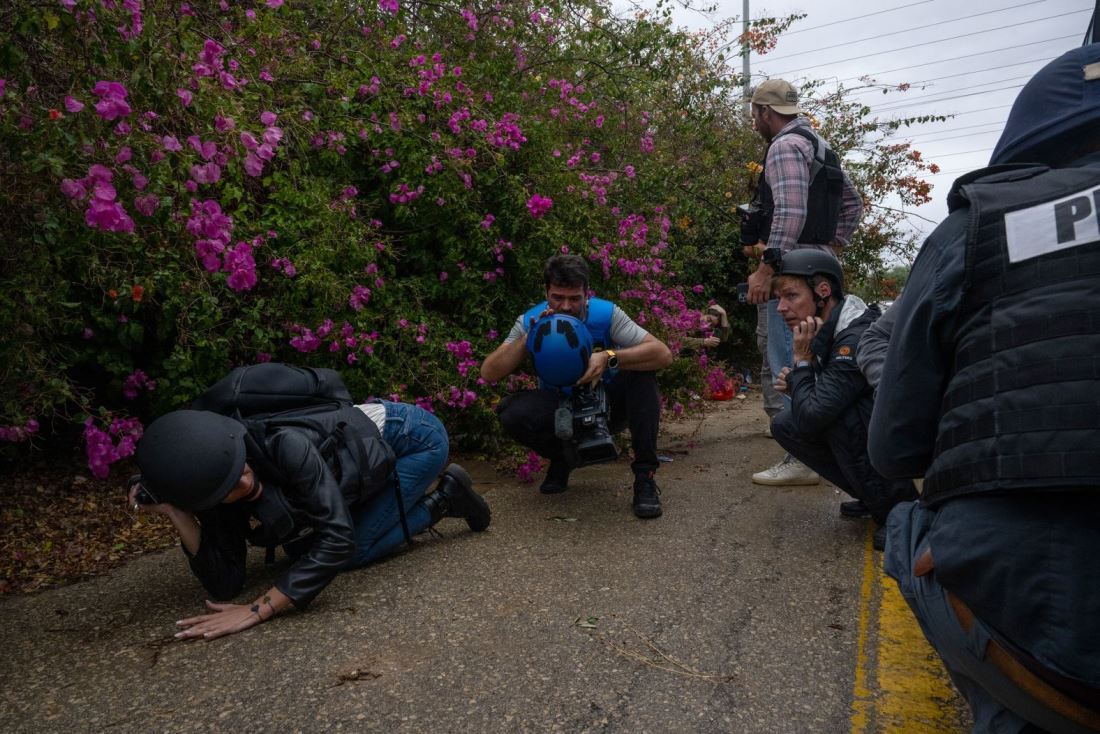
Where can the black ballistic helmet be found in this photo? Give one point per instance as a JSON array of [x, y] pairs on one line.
[[808, 262], [191, 458]]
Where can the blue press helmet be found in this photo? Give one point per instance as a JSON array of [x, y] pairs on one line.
[[560, 346]]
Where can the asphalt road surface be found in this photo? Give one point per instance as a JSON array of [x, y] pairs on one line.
[[743, 609]]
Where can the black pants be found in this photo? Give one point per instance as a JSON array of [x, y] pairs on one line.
[[852, 473], [635, 402]]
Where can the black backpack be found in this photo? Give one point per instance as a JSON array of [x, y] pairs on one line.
[[270, 397]]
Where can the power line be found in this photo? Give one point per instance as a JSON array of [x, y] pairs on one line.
[[922, 82], [947, 99], [835, 22], [968, 135], [910, 30], [941, 40], [965, 56], [858, 17], [954, 129], [965, 152], [952, 91]]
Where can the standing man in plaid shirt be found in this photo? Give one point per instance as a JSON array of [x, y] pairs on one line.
[[804, 200]]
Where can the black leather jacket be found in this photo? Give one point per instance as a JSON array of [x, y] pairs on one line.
[[311, 501]]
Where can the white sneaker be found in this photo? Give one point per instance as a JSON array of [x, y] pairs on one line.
[[789, 471]]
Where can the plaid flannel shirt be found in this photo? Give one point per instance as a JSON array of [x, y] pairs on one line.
[[787, 170]]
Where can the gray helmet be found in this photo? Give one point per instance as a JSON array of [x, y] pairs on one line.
[[191, 458], [808, 263]]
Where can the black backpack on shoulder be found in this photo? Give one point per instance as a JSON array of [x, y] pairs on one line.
[[271, 397]]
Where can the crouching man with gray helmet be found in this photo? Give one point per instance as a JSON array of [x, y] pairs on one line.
[[831, 402], [215, 478]]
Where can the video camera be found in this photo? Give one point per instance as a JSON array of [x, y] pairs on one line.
[[581, 421], [561, 347]]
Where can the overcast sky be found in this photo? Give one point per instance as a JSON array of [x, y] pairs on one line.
[[968, 59]]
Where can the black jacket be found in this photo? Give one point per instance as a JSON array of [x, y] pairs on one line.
[[832, 402], [833, 389], [307, 496]]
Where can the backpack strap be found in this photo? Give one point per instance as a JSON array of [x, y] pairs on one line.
[[350, 436]]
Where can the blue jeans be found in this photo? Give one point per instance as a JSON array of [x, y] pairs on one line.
[[999, 706], [421, 445], [780, 344]]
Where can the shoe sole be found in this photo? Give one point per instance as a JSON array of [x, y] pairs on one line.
[[648, 513], [477, 524], [552, 488], [858, 515], [786, 482]]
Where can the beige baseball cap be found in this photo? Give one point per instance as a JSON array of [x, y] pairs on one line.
[[780, 95]]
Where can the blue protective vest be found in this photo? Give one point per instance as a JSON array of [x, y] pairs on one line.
[[1021, 411], [598, 322]]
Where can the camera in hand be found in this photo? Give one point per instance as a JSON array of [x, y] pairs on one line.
[[755, 223], [581, 422], [561, 347]]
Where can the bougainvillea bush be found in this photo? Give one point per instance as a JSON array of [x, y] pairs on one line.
[[189, 186]]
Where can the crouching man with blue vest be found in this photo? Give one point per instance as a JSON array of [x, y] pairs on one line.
[[622, 346], [990, 391]]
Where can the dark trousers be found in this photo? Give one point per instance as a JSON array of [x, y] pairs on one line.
[[634, 402], [855, 475]]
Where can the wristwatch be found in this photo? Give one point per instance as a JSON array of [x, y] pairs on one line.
[[772, 256], [802, 363], [612, 359]]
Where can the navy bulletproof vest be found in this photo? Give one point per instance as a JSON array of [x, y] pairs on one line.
[[1022, 407]]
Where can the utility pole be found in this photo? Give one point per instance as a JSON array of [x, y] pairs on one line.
[[1092, 35], [745, 56]]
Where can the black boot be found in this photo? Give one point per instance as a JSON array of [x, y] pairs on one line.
[[647, 500], [557, 477], [454, 496]]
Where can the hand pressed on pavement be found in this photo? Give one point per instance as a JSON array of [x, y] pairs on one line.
[[224, 619]]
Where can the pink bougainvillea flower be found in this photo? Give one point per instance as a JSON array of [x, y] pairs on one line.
[[388, 6], [360, 295], [224, 124], [539, 205], [112, 102], [248, 140], [273, 135], [265, 151], [268, 117], [274, 4], [171, 143], [241, 267], [185, 97], [108, 216], [206, 149], [72, 104], [147, 204], [253, 166], [207, 173], [73, 189]]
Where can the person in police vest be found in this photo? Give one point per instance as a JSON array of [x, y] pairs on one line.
[[804, 200], [990, 391], [528, 416]]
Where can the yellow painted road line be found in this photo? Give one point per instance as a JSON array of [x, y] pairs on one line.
[[900, 684]]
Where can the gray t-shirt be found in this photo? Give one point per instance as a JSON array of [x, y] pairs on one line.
[[624, 332]]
